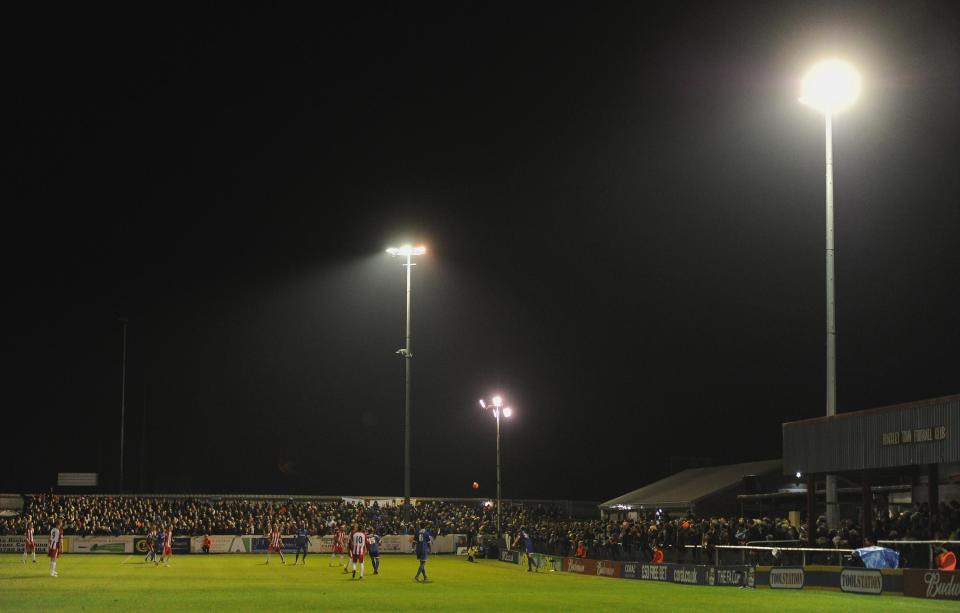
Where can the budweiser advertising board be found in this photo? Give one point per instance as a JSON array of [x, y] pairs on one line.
[[937, 584]]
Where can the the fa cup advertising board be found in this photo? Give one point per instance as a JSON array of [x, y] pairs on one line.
[[739, 576]]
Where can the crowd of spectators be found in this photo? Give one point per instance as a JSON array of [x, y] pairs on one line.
[[633, 539], [117, 515]]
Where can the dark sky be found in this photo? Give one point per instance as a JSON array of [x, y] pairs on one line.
[[624, 208]]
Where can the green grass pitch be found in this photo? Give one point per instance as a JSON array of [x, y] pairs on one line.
[[238, 582]]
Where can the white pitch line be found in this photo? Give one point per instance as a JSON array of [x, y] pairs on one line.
[[126, 558]]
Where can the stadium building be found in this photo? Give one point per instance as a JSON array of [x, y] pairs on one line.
[[886, 459]]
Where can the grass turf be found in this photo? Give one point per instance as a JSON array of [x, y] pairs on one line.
[[244, 582]]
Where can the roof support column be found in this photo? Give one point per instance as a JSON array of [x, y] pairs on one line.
[[811, 510]]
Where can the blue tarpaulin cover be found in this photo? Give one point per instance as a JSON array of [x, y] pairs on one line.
[[879, 557]]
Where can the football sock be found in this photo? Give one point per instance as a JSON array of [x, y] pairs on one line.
[[361, 570]]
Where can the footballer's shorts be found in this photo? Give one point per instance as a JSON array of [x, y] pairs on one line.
[[357, 557]]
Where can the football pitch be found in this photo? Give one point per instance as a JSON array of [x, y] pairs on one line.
[[243, 582]]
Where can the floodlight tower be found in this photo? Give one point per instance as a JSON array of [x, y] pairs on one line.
[[496, 404], [408, 252], [830, 87]]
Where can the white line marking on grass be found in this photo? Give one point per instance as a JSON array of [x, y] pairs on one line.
[[126, 558]]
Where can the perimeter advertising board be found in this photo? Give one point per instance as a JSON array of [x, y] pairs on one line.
[[786, 578], [738, 576], [933, 584], [605, 568], [580, 565], [861, 580], [102, 544], [14, 543], [218, 544]]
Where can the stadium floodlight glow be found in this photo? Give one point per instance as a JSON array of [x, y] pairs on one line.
[[496, 403], [831, 86], [799, 474], [407, 251]]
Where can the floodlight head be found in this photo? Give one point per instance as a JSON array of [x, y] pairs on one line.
[[831, 86], [483, 404], [497, 401], [507, 411], [407, 250], [799, 474]]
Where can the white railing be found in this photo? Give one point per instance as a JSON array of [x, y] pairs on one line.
[[745, 548]]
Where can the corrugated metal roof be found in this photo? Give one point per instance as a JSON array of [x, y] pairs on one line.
[[687, 487], [886, 437]]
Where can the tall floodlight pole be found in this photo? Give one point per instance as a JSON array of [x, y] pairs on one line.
[[123, 395], [496, 404], [408, 252], [830, 87]]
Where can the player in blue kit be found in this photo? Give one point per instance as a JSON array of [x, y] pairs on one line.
[[303, 539], [373, 548], [523, 539], [421, 546]]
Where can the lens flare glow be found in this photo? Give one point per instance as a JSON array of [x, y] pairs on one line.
[[831, 86]]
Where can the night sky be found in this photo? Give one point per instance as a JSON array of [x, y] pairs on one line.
[[623, 206]]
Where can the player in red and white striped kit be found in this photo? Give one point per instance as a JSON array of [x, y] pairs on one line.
[[55, 547], [28, 545], [166, 538], [338, 548], [275, 544], [358, 547]]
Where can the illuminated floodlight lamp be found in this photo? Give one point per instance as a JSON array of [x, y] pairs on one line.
[[830, 86], [483, 403], [497, 401], [799, 474], [507, 411], [407, 250]]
